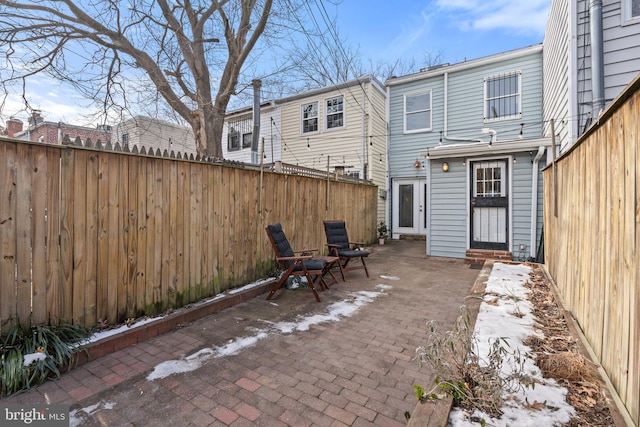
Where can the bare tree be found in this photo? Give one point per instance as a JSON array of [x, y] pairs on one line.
[[173, 45]]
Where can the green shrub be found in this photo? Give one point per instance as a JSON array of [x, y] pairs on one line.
[[56, 343]]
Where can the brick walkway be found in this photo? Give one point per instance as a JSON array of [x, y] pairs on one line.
[[352, 371]]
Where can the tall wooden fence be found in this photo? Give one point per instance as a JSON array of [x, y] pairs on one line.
[[89, 234], [592, 240]]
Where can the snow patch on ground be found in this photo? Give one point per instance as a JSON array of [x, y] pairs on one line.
[[28, 359], [504, 296], [334, 313]]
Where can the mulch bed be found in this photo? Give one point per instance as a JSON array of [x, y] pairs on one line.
[[559, 356]]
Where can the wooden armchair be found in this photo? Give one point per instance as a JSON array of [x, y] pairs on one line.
[[340, 246], [298, 263]]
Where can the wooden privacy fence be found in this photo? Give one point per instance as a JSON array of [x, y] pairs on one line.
[[592, 240], [89, 234]]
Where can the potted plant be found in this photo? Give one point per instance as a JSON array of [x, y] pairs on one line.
[[382, 232]]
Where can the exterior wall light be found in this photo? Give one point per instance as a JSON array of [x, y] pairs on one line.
[[416, 164], [445, 167]]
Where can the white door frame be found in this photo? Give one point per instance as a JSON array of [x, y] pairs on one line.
[[419, 210], [509, 160]]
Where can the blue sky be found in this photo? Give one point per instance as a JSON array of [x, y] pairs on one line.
[[382, 30], [458, 28]]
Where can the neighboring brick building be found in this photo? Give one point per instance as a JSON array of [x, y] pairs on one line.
[[39, 130]]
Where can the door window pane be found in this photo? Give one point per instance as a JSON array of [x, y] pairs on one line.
[[405, 208]]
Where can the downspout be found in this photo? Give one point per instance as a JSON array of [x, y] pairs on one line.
[[446, 115], [365, 159], [534, 201], [597, 57]]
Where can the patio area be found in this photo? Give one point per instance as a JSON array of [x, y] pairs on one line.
[[291, 361]]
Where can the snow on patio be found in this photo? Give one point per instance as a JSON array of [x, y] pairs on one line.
[[507, 313], [334, 313]]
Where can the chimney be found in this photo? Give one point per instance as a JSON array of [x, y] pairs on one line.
[[35, 119], [14, 126]]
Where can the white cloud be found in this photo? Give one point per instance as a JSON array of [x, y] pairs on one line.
[[527, 17]]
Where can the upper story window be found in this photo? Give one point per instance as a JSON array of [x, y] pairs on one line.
[[502, 97], [233, 139], [417, 112], [247, 139], [630, 11], [335, 112], [310, 118], [125, 139]]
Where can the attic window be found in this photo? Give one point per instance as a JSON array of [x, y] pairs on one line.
[[502, 97]]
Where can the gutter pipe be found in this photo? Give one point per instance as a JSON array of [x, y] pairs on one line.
[[534, 200]]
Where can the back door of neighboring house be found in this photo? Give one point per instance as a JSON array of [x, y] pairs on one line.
[[409, 206], [489, 204]]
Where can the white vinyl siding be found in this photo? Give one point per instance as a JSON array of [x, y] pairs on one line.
[[503, 99], [417, 112]]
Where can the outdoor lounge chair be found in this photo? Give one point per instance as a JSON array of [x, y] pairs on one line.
[[340, 246], [298, 263]]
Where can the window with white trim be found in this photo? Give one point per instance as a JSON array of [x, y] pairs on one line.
[[502, 97], [335, 112], [310, 118], [630, 11], [417, 112]]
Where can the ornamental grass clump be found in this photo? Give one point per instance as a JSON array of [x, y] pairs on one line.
[[31, 354], [474, 381]]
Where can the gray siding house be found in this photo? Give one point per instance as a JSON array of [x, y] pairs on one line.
[[591, 52], [465, 150]]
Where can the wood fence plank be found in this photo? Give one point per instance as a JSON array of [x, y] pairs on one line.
[[151, 237], [133, 165], [91, 239], [79, 235], [167, 247], [172, 224], [180, 226], [39, 236], [205, 237], [122, 266], [186, 249], [8, 197], [53, 233], [24, 230], [158, 247], [195, 282], [218, 224], [141, 214], [634, 333], [102, 279], [67, 221], [113, 233]]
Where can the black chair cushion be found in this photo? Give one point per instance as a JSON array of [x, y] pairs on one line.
[[312, 265], [336, 232], [351, 253]]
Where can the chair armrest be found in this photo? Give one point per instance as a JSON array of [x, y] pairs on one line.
[[305, 251], [333, 245], [294, 258], [357, 243]]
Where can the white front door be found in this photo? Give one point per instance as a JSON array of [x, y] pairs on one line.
[[409, 207]]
